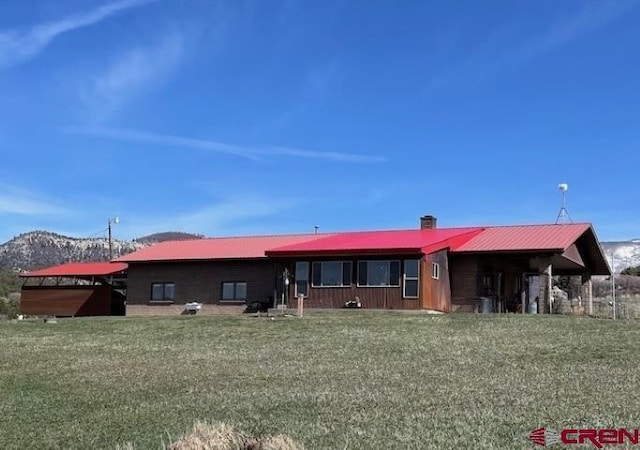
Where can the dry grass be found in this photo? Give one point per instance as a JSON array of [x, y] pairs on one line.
[[212, 437], [125, 446], [221, 436]]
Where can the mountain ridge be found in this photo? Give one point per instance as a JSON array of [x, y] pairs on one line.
[[40, 248]]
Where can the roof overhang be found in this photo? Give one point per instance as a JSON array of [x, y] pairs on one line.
[[421, 242], [345, 252], [592, 254], [195, 260], [79, 270], [583, 255]]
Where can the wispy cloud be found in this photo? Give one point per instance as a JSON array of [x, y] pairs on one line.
[[18, 201], [335, 156], [505, 49], [249, 152], [134, 70], [17, 47], [226, 215]]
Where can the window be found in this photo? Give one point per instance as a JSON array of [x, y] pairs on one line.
[[379, 273], [411, 278], [302, 278], [331, 274], [236, 290], [163, 292], [435, 271]]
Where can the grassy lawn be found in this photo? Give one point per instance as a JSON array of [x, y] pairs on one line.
[[352, 379]]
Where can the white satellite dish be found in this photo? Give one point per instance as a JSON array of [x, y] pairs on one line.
[[564, 187]]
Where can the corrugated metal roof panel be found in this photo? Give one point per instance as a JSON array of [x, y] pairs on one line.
[[376, 241], [243, 247], [502, 238], [525, 237], [86, 269]]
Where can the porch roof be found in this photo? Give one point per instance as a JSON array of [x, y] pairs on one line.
[[525, 238], [574, 247], [83, 269], [380, 242]]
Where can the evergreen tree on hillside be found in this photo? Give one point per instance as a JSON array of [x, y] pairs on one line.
[[9, 281], [634, 270]]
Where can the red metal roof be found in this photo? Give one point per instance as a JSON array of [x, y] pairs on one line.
[[239, 247], [370, 242], [487, 239], [90, 269], [524, 237]]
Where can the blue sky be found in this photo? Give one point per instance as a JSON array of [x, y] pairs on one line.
[[235, 117]]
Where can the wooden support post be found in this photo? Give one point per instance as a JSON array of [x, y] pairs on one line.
[[590, 297], [550, 287], [586, 291], [300, 305], [546, 285]]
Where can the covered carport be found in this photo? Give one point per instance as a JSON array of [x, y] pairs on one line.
[[75, 289]]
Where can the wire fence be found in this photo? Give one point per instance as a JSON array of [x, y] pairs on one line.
[[626, 307]]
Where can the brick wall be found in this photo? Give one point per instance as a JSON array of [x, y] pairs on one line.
[[178, 309], [200, 281]]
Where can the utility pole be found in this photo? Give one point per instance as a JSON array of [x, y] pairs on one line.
[[285, 287], [613, 286], [114, 220]]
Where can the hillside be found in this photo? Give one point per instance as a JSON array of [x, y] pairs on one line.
[[167, 236], [38, 249], [624, 254]]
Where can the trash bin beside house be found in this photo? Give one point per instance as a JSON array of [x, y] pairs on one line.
[[486, 305]]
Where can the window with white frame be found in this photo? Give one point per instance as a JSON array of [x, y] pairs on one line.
[[435, 271], [331, 274], [411, 277], [378, 273], [163, 292], [302, 278], [234, 291]]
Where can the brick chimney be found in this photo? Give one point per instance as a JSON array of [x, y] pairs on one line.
[[428, 222]]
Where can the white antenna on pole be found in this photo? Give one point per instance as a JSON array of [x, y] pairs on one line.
[[563, 215]]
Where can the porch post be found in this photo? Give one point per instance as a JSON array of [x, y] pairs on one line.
[[586, 292], [545, 271]]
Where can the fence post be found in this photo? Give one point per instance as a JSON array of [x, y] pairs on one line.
[[300, 305]]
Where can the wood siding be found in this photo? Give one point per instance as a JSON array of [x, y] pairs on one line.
[[464, 283], [201, 281], [66, 301], [436, 293], [370, 297]]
